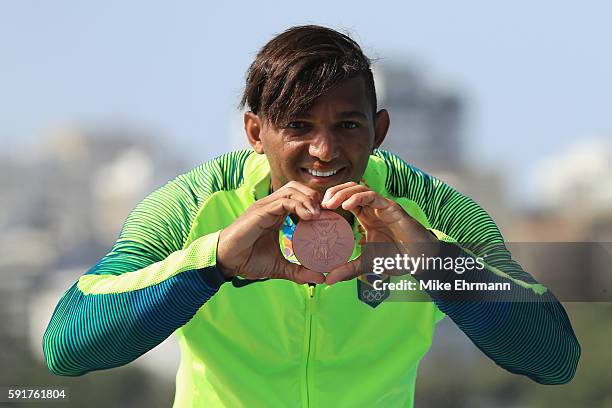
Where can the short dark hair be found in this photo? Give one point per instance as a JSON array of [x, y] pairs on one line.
[[298, 66]]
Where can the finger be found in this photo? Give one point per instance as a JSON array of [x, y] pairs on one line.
[[297, 207], [336, 198], [294, 189], [299, 274], [333, 190], [309, 200], [285, 206], [311, 192], [348, 271], [366, 198]]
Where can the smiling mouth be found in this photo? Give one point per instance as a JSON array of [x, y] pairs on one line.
[[323, 177], [322, 173]]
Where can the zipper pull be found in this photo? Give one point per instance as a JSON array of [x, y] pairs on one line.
[[311, 287]]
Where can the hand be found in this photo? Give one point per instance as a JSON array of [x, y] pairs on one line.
[[382, 219], [249, 247]]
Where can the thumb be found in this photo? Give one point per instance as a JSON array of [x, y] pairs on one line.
[[299, 274], [344, 272]]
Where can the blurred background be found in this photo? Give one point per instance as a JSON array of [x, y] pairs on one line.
[[102, 102]]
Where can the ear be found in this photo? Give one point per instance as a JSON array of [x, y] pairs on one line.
[[253, 129], [381, 126]]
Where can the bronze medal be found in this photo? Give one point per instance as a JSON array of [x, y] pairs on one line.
[[323, 244]]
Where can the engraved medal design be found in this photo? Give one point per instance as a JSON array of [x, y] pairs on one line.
[[325, 243]]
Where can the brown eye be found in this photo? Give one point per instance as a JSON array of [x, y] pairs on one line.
[[296, 125], [349, 125]]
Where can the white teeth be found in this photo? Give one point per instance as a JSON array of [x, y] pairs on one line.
[[322, 173]]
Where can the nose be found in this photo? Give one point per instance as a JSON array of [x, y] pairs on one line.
[[324, 146]]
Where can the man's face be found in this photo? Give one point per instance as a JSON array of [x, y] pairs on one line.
[[326, 146]]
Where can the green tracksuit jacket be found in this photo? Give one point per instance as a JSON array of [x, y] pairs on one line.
[[277, 343]]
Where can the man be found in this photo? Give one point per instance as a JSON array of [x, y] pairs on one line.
[[280, 334]]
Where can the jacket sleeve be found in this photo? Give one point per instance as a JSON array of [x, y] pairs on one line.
[[530, 334], [145, 288]]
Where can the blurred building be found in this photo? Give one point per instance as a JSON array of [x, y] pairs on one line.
[[63, 203], [427, 117], [570, 225], [576, 181], [574, 196], [574, 201], [428, 121]]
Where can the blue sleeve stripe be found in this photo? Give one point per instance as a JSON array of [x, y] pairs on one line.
[[92, 332]]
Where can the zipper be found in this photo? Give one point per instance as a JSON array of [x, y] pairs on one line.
[[308, 344]]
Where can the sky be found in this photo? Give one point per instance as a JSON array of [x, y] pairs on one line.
[[536, 75]]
